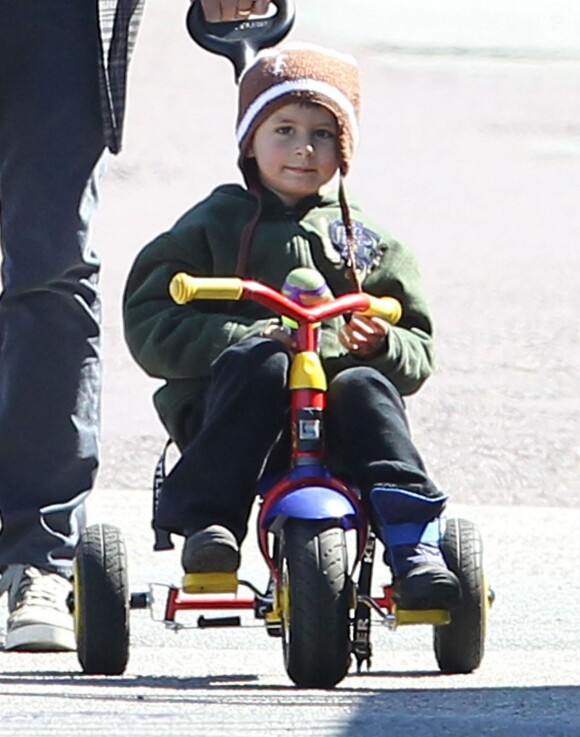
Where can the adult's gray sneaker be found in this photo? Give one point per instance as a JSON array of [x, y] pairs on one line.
[[39, 617]]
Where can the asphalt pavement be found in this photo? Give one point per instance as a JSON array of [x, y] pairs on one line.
[[232, 682]]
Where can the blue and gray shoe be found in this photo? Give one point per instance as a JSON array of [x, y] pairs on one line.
[[410, 528]]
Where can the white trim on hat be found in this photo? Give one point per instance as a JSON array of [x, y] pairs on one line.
[[297, 85]]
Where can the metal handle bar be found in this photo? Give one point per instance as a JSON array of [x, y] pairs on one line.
[[185, 288], [240, 40]]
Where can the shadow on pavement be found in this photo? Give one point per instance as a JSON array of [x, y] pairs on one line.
[[514, 711]]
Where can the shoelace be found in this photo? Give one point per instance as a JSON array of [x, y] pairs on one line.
[[28, 584]]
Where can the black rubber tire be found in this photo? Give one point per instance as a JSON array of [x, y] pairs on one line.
[[459, 646], [315, 620], [101, 601]]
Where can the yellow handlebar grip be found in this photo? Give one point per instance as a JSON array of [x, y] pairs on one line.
[[185, 288], [388, 308]]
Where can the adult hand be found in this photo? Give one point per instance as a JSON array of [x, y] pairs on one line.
[[364, 337], [217, 11]]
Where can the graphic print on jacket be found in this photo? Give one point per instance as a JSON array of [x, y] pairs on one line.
[[366, 245]]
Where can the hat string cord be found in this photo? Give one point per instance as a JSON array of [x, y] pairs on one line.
[[349, 230]]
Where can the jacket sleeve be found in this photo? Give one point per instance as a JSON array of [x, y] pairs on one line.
[[171, 341], [408, 357]]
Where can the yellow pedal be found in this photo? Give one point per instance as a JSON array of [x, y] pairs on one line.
[[436, 617], [210, 583]]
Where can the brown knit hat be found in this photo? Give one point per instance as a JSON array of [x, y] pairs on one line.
[[300, 72]]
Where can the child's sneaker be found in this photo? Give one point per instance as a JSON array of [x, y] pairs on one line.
[[39, 618], [211, 550]]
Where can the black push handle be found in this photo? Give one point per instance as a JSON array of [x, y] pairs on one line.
[[240, 40]]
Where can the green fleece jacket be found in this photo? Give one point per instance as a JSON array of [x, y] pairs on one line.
[[179, 343]]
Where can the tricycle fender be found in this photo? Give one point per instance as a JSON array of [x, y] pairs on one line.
[[311, 502]]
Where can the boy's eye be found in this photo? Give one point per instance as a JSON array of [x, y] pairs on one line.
[[325, 134], [284, 130]]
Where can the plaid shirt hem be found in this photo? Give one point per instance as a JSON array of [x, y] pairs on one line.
[[118, 25]]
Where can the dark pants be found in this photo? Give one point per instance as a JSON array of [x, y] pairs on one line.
[[51, 148], [243, 435]]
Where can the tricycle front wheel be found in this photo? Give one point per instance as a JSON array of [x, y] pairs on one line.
[[315, 602]]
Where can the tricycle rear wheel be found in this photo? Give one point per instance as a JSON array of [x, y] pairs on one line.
[[101, 601], [315, 601], [459, 645]]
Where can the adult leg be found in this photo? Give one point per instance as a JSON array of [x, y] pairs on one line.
[[369, 433], [51, 146]]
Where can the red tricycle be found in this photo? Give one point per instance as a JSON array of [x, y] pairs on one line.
[[317, 601]]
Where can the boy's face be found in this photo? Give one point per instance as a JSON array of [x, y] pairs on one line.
[[296, 150]]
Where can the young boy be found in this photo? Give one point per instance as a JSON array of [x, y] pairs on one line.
[[225, 365]]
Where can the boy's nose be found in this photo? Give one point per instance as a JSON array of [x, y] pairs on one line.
[[306, 148]]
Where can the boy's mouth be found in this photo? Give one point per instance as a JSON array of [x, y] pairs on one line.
[[300, 169]]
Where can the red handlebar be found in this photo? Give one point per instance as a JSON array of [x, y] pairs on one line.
[[186, 288]]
